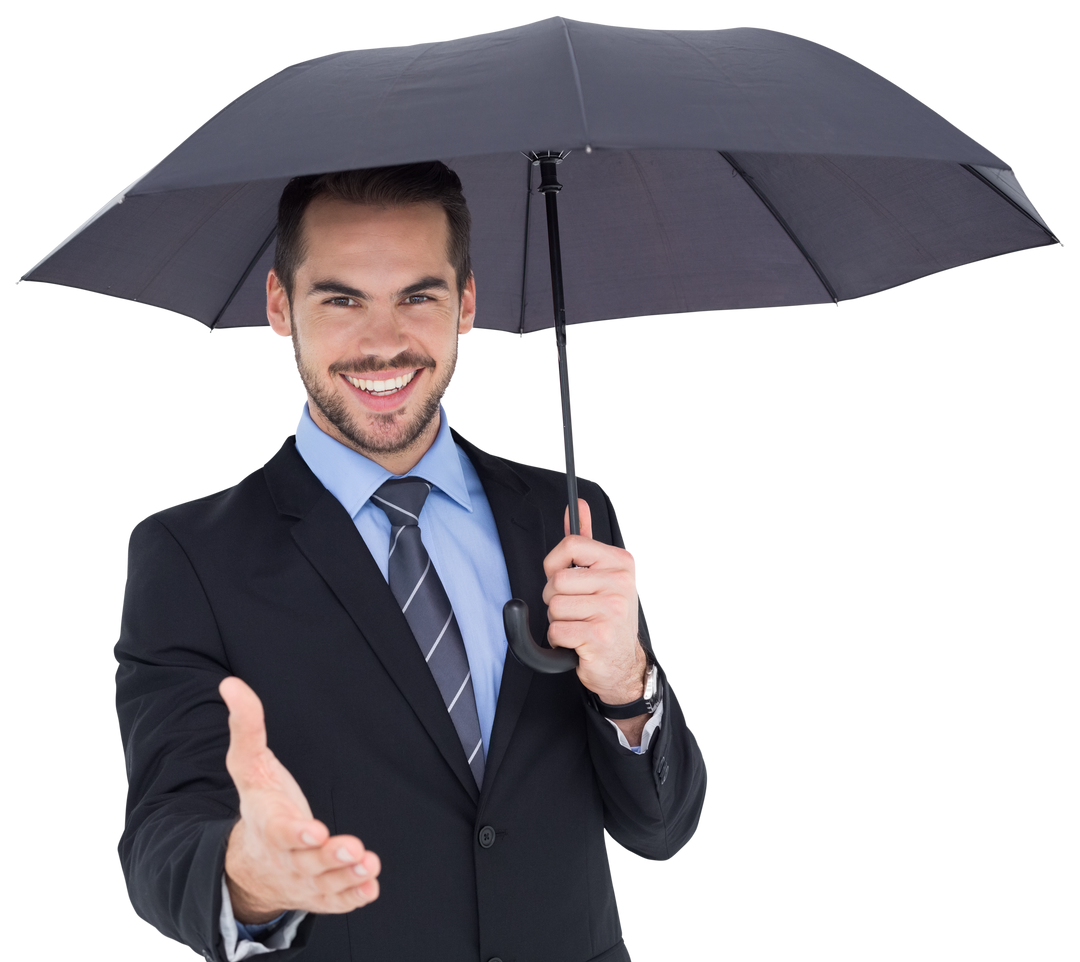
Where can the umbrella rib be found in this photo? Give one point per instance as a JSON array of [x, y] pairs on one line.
[[243, 277], [997, 190], [525, 251], [783, 223]]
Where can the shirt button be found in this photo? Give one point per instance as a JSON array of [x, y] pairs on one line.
[[487, 839]]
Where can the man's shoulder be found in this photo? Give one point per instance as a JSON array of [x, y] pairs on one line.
[[541, 483], [249, 503]]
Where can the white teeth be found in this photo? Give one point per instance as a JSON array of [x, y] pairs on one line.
[[381, 387]]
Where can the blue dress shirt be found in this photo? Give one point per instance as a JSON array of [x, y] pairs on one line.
[[458, 530]]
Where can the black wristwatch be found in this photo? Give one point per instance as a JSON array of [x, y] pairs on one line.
[[645, 705]]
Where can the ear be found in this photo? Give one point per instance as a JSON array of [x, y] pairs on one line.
[[277, 306], [468, 306]]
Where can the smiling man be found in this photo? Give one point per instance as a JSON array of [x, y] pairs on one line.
[[343, 604]]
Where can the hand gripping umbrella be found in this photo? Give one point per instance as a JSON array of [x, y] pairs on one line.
[[710, 170]]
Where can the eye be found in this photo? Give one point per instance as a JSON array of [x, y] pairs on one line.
[[342, 301], [417, 299]]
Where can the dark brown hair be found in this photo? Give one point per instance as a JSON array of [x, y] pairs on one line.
[[432, 183]]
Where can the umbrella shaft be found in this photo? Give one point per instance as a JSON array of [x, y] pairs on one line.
[[550, 188]]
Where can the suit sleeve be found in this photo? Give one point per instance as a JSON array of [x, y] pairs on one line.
[[652, 801], [182, 804]]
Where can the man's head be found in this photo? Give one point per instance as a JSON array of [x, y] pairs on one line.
[[428, 183], [371, 280]]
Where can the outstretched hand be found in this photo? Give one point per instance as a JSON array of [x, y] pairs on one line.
[[592, 602], [279, 857]]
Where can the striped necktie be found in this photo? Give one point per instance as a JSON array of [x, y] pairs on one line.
[[416, 587]]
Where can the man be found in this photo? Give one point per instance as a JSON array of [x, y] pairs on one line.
[[356, 584]]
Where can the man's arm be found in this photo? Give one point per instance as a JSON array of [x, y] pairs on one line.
[[652, 800], [183, 805]]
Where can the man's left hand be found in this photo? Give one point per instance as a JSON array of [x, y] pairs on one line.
[[593, 608]]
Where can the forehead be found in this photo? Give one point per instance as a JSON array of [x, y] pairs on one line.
[[336, 229]]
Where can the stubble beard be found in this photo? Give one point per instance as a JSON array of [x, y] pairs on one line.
[[390, 435]]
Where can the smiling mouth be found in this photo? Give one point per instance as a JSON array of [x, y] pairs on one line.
[[382, 388]]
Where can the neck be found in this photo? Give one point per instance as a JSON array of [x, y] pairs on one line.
[[396, 462]]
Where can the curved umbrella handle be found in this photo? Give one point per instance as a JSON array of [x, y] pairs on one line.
[[547, 661]]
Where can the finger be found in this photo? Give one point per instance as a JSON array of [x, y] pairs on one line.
[[283, 830], [346, 850], [344, 878], [247, 726], [336, 867], [349, 899], [343, 889], [563, 638], [582, 552], [294, 835], [584, 519]]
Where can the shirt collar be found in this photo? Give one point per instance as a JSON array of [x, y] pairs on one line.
[[353, 479]]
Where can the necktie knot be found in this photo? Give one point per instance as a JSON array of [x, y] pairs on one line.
[[402, 499]]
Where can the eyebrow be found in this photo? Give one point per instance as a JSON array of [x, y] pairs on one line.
[[331, 285]]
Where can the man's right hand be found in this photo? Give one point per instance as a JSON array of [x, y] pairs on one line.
[[280, 858]]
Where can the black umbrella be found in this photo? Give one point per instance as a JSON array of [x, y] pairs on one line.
[[710, 170]]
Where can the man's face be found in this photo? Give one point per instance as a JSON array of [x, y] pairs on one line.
[[375, 318]]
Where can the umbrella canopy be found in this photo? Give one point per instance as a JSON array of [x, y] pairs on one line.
[[710, 170]]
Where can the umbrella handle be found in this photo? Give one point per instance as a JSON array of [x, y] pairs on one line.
[[546, 661]]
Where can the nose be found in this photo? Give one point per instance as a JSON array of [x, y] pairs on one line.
[[380, 332]]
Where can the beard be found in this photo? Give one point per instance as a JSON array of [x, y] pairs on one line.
[[390, 434]]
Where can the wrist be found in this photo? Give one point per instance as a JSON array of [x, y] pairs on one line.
[[247, 905], [633, 700], [633, 684], [246, 910]]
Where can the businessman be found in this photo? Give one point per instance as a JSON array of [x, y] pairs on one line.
[[329, 752]]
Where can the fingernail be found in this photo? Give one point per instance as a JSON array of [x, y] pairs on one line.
[[308, 839], [344, 854], [360, 870]]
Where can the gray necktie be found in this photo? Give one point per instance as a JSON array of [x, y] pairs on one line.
[[417, 588]]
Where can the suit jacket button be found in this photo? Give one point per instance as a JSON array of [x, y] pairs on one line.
[[487, 839], [494, 958]]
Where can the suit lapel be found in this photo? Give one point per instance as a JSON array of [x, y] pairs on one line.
[[324, 532], [520, 524]]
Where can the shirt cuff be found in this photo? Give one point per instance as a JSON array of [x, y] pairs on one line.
[[646, 735], [240, 940]]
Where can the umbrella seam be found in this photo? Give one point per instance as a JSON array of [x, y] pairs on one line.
[[577, 79], [243, 277], [661, 233], [783, 223]]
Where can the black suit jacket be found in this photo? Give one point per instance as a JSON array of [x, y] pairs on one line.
[[271, 581]]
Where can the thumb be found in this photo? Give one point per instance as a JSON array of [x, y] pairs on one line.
[[247, 727], [584, 517]]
